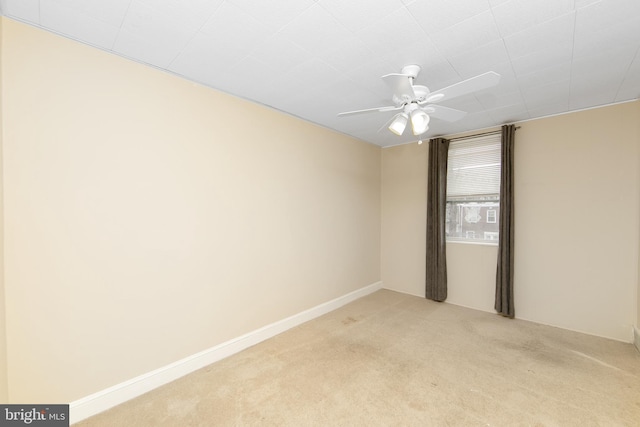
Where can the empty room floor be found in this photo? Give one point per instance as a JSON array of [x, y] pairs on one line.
[[395, 359]]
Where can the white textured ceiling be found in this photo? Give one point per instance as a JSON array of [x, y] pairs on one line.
[[316, 58]]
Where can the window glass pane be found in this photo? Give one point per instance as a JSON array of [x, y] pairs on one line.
[[473, 220]]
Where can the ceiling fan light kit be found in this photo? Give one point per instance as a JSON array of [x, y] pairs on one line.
[[418, 104], [399, 123], [419, 122]]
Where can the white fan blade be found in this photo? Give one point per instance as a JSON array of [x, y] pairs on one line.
[[444, 113], [473, 84], [401, 86], [370, 110]]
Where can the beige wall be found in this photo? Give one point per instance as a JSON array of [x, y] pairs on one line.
[[4, 397], [577, 209], [404, 201], [144, 223], [579, 272]]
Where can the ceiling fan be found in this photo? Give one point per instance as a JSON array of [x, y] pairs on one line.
[[418, 104]]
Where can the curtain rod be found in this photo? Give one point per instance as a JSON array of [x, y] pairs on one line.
[[495, 132]]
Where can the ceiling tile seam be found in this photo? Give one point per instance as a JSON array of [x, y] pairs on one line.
[[335, 18], [312, 56], [311, 53], [496, 24], [636, 56], [124, 17], [529, 108], [316, 3], [484, 109], [427, 37], [466, 51], [573, 49], [514, 72], [355, 33], [299, 15], [504, 45], [278, 30], [546, 86], [195, 33], [465, 20]]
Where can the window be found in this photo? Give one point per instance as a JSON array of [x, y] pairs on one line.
[[490, 235], [473, 190], [491, 216]]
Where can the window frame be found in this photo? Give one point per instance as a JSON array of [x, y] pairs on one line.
[[488, 152]]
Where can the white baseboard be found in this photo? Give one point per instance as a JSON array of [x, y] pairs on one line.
[[636, 337], [120, 393]]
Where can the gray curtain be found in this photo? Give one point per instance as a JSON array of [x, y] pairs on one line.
[[436, 273], [504, 273]]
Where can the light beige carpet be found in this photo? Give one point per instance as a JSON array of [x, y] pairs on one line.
[[391, 359]]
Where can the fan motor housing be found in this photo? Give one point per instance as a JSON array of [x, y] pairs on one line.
[[421, 92], [411, 70]]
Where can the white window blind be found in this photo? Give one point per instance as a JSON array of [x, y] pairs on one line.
[[473, 167]]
